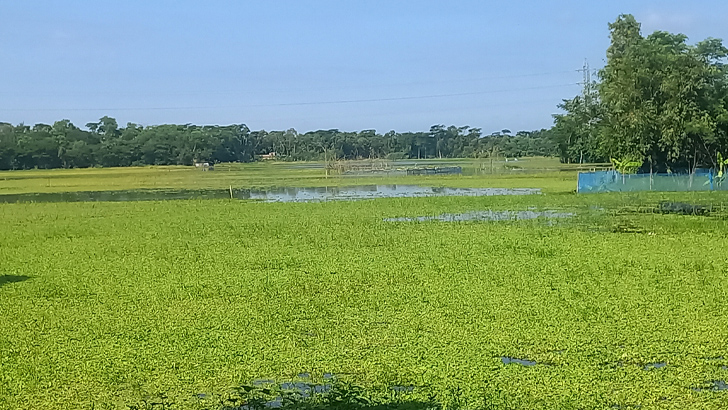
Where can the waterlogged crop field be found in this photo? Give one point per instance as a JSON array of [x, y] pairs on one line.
[[179, 303], [545, 173]]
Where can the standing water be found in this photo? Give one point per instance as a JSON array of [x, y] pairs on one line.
[[290, 194]]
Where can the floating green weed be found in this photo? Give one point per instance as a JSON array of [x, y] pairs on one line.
[[132, 304]]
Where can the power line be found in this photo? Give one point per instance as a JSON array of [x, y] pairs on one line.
[[211, 92], [310, 103], [422, 111]]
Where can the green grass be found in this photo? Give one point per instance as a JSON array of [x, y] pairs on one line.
[[544, 173], [105, 304]]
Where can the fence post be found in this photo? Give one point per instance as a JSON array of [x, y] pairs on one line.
[[578, 181]]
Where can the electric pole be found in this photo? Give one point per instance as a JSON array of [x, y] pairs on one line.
[[587, 81]]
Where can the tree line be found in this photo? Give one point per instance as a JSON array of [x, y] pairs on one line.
[[105, 143], [659, 104]]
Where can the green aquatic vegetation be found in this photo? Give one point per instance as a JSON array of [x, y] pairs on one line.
[[163, 301]]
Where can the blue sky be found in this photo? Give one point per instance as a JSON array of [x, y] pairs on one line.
[[278, 64]]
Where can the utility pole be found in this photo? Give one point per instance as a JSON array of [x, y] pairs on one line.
[[587, 81], [587, 95]]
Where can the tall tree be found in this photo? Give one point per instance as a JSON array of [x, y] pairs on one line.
[[663, 99]]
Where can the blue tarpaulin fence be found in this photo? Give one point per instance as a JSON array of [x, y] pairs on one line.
[[613, 181]]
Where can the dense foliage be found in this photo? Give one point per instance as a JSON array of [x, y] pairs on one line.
[[64, 145], [659, 102]]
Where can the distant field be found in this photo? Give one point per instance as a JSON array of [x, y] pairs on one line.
[[545, 173]]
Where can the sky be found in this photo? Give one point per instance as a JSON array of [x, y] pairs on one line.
[[315, 64]]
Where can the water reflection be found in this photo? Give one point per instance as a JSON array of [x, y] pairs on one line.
[[374, 192], [287, 194], [522, 362]]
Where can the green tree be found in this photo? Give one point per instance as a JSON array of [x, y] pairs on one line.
[[577, 133], [664, 100]]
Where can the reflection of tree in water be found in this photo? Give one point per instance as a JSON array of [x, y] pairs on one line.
[[283, 194]]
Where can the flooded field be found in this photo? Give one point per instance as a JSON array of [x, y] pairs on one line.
[[286, 194], [591, 302]]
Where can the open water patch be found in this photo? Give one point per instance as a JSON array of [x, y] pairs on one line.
[[375, 192], [513, 360], [653, 366], [715, 385], [487, 215], [285, 194]]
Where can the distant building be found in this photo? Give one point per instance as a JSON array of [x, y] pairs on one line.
[[271, 155]]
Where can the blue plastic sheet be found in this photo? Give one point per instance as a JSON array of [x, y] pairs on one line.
[[613, 181]]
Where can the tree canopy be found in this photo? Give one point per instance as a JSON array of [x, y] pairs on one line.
[[659, 101], [105, 143]]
